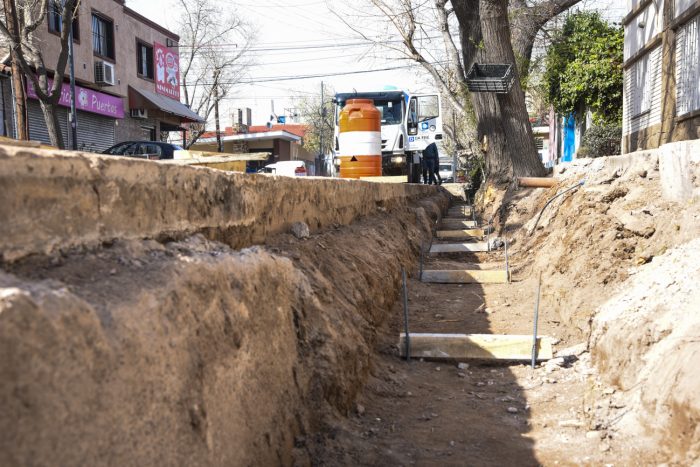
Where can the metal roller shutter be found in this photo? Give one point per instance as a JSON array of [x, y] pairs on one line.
[[37, 124], [95, 132]]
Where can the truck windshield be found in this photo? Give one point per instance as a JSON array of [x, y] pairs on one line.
[[391, 111]]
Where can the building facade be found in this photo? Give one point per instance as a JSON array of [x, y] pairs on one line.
[[661, 73], [126, 72], [283, 142]]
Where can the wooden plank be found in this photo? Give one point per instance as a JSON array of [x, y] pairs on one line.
[[460, 233], [453, 223], [465, 276], [475, 346], [458, 247], [466, 210]]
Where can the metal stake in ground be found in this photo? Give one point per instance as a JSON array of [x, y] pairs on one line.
[[420, 273], [537, 312], [506, 247], [405, 315]]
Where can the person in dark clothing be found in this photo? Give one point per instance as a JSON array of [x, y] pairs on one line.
[[431, 158]]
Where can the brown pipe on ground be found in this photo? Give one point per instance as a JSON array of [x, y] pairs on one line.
[[537, 182]]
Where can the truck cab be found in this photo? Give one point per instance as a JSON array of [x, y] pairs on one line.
[[408, 124]]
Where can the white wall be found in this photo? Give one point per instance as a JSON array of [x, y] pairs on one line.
[[682, 5], [637, 37]]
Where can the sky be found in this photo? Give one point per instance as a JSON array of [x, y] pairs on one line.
[[303, 37]]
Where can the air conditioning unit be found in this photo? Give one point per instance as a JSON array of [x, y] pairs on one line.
[[104, 73], [139, 113]]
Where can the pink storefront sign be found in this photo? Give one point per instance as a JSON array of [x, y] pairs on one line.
[[87, 100], [167, 71]]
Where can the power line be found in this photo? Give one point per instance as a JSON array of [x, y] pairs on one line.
[[269, 79]]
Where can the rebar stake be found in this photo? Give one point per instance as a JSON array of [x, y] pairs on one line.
[[506, 247], [537, 312], [405, 315], [420, 272]]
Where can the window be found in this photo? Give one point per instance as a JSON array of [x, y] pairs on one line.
[[102, 36], [391, 111], [55, 19], [688, 67], [428, 108], [144, 60], [641, 86]]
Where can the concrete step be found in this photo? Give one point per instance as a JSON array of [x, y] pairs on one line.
[[466, 233], [465, 276], [458, 247]]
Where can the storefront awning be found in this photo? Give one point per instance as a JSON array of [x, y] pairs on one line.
[[140, 99]]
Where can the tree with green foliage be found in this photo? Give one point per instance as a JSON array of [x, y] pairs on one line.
[[584, 68]]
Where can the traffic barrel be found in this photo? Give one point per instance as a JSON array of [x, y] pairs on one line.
[[360, 139]]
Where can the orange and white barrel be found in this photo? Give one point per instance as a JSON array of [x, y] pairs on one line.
[[360, 139]]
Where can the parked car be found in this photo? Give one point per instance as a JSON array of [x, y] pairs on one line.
[[445, 169], [287, 168], [151, 150]]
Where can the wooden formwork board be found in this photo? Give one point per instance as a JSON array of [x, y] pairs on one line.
[[465, 276], [458, 247], [475, 346], [449, 223], [465, 233], [466, 210]]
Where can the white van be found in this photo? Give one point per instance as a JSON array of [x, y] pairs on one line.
[[286, 168], [445, 169]]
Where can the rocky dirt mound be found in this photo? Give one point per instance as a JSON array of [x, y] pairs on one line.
[[587, 241], [646, 342], [191, 353], [618, 272]]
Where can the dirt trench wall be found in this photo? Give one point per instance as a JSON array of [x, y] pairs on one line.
[[147, 337], [619, 267], [54, 200], [646, 343]]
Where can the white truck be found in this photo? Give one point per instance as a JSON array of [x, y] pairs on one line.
[[409, 123]]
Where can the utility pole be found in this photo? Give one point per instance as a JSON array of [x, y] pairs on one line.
[[321, 159], [17, 84], [73, 113], [219, 143]]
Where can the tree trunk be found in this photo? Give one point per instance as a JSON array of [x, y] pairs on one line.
[[516, 122], [50, 112], [502, 121], [20, 97]]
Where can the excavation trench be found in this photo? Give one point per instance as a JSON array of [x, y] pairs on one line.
[[185, 350], [155, 315]]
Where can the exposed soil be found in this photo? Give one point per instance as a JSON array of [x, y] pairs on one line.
[[191, 352], [577, 410], [435, 413]]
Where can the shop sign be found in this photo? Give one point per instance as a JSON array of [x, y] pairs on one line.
[[167, 71], [87, 100]]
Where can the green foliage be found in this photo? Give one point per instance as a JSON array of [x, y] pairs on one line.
[[584, 67], [601, 140]]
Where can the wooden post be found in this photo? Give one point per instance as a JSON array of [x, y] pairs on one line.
[[17, 82], [537, 182]]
